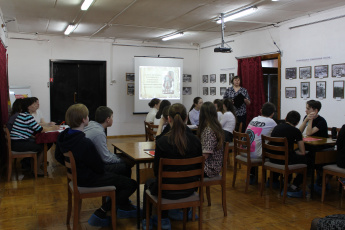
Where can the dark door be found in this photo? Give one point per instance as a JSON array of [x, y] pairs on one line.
[[76, 82]]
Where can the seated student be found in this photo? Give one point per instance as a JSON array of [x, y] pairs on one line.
[[38, 115], [341, 148], [194, 111], [91, 170], [314, 124], [260, 125], [159, 114], [211, 135], [228, 120], [24, 128], [95, 131], [154, 105], [293, 135], [219, 107], [16, 109], [178, 143]]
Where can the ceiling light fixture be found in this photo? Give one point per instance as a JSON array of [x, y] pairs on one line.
[[69, 29], [238, 14], [172, 36], [86, 4]]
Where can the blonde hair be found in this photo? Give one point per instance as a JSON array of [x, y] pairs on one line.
[[75, 115]]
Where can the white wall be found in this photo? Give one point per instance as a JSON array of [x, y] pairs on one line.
[[29, 65], [324, 39]]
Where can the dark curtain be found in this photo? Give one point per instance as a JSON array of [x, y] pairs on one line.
[[250, 71], [3, 101]]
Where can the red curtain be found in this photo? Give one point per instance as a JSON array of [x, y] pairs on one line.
[[250, 71], [3, 100]]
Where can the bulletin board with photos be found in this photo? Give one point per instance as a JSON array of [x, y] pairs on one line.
[[212, 79]]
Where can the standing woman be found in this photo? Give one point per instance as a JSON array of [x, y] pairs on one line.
[[241, 109], [219, 107], [211, 135], [154, 105], [194, 111], [228, 120]]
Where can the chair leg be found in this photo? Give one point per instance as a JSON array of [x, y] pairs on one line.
[[69, 206], [159, 221], [323, 186], [285, 188], [193, 213], [235, 172], [147, 212], [9, 169], [208, 195], [248, 178], [224, 200], [35, 166], [76, 213], [304, 182], [113, 211], [200, 217], [263, 177], [184, 218]]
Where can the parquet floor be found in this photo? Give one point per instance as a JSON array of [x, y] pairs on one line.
[[26, 203]]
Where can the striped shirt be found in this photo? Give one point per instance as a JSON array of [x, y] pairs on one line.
[[24, 127]]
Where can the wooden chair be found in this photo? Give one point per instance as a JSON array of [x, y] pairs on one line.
[[242, 156], [14, 155], [333, 170], [231, 145], [219, 180], [150, 131], [285, 169], [194, 200], [80, 193]]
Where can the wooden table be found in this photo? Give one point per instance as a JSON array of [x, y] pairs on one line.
[[318, 156], [134, 152]]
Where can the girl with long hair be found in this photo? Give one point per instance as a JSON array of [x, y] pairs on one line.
[[194, 111], [228, 120], [154, 105], [219, 107], [159, 114]]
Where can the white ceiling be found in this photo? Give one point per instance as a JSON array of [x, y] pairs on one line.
[[150, 20]]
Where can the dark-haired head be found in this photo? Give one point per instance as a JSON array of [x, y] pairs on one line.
[[314, 104], [165, 112], [268, 109], [153, 102], [35, 99], [196, 101], [26, 103], [102, 113], [235, 77], [162, 105], [17, 106], [293, 117], [219, 105]]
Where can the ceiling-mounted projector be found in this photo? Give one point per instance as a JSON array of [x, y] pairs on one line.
[[222, 50]]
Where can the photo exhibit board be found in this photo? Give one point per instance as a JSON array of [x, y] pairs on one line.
[[157, 77]]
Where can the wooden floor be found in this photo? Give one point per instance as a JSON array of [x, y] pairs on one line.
[[26, 203]]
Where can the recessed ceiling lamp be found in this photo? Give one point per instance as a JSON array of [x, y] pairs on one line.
[[238, 14], [86, 4], [172, 36], [69, 29]]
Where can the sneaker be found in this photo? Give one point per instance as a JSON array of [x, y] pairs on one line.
[[128, 213], [144, 224], [98, 222], [177, 214], [166, 225]]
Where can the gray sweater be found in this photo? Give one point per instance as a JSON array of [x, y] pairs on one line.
[[95, 132]]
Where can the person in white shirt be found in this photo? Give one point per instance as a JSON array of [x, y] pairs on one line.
[[154, 105], [38, 115], [194, 111], [219, 107], [228, 120]]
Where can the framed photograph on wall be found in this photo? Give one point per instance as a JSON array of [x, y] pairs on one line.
[[321, 71], [231, 76], [212, 78], [320, 89], [305, 89], [290, 92], [222, 78], [129, 76], [130, 89], [338, 70], [187, 90], [338, 89], [204, 78], [222, 91], [187, 78], [213, 91], [291, 73], [305, 72], [204, 90]]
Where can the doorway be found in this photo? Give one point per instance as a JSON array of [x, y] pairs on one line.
[[73, 81]]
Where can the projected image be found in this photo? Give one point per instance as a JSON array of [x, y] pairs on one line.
[[159, 82]]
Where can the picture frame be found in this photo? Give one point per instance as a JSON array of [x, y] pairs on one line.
[[222, 78], [186, 90], [338, 70], [291, 73], [305, 89], [290, 92], [222, 91], [231, 76], [130, 76], [305, 72], [204, 78], [338, 89], [213, 91], [321, 71], [321, 89], [187, 78], [130, 89], [212, 78], [205, 91]]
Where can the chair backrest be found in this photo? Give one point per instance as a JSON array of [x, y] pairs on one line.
[[8, 140], [146, 125], [225, 160], [330, 131], [242, 144], [238, 127], [151, 130], [270, 146], [180, 174], [71, 170]]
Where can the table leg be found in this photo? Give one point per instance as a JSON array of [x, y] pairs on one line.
[[45, 150], [138, 196]]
